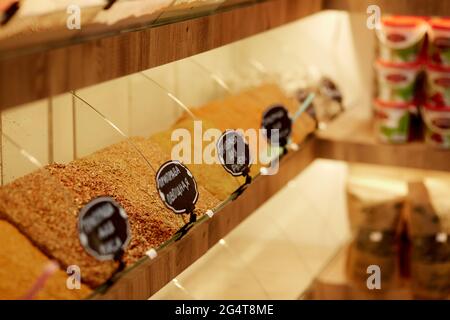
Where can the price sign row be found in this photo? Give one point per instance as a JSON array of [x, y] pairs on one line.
[[103, 226]]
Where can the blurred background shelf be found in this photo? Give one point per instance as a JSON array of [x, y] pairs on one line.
[[31, 73], [351, 138]]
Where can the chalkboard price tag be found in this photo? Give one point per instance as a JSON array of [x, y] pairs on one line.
[[234, 153], [177, 187], [103, 228], [277, 118]]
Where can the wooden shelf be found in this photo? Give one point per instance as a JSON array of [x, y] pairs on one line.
[[351, 138], [149, 276], [405, 7], [58, 69]]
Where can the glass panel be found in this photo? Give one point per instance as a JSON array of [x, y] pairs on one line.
[[28, 125], [222, 274], [39, 215], [194, 125]]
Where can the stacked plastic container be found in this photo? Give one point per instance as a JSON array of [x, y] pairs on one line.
[[436, 110], [399, 64], [413, 74]]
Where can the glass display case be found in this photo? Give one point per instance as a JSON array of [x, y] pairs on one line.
[[116, 181], [91, 148]]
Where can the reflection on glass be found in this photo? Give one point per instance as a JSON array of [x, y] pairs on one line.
[[174, 290], [221, 274]]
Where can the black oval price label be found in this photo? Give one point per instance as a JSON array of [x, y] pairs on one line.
[[177, 187], [103, 228], [277, 118], [234, 153]]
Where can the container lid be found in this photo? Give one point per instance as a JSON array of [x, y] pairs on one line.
[[402, 21], [433, 107], [440, 23], [399, 65], [393, 104]]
